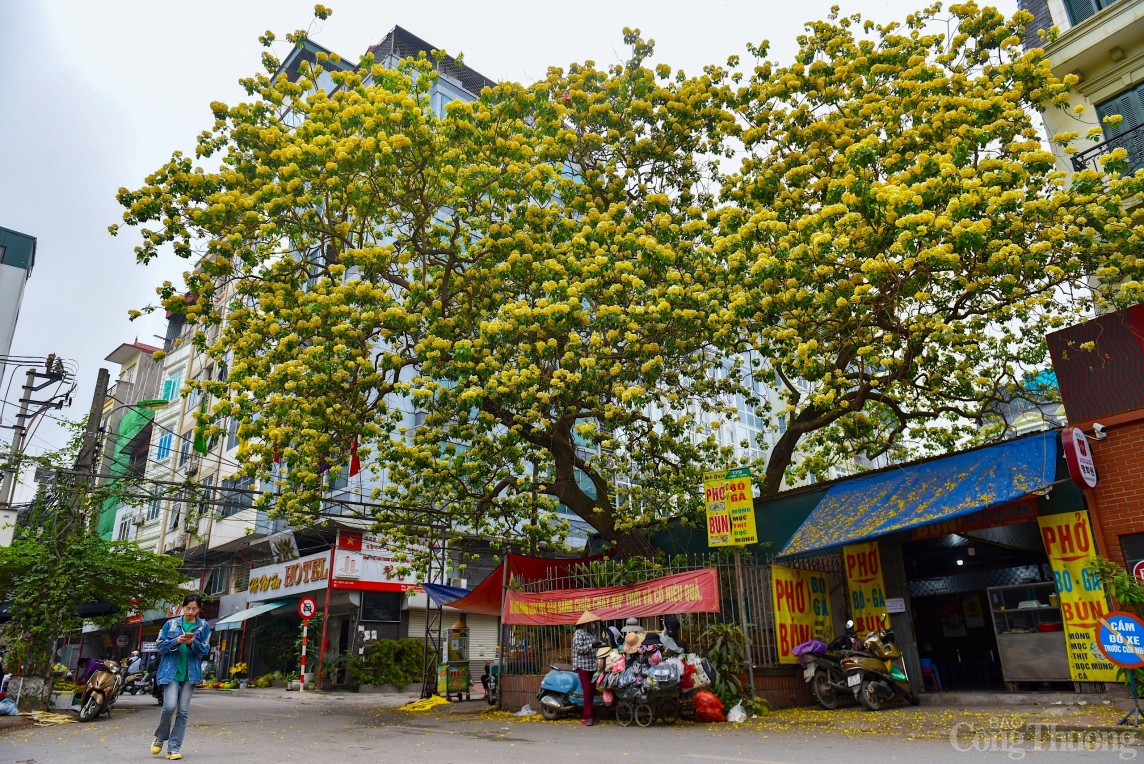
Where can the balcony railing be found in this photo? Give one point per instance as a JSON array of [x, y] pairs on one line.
[[1132, 140]]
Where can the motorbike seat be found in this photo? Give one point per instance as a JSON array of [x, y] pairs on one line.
[[561, 666]]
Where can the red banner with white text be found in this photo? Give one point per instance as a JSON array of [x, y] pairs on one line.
[[696, 591]]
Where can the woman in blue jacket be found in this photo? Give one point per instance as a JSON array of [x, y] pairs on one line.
[[183, 642]]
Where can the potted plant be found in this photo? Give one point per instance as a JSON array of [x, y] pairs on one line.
[[276, 679], [238, 674]]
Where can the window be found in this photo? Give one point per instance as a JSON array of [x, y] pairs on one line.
[[216, 581], [176, 513], [124, 528], [1079, 10], [232, 434], [172, 385], [153, 509], [1129, 134], [163, 449], [207, 497], [193, 393], [127, 374], [185, 447], [233, 497]]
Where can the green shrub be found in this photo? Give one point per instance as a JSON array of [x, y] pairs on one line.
[[387, 661], [274, 646], [722, 643]]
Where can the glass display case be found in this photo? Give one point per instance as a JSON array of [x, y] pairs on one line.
[[1030, 633]]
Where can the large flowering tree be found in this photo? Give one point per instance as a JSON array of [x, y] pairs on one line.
[[907, 241], [507, 306]]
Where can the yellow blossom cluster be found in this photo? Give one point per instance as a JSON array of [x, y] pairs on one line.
[[554, 293]]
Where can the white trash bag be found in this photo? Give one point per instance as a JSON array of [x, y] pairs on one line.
[[526, 711], [738, 714]]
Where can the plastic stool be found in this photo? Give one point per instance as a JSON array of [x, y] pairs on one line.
[[931, 681]]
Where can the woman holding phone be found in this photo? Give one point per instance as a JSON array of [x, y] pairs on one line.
[[183, 642]]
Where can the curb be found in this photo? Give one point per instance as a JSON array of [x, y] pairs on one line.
[[14, 722]]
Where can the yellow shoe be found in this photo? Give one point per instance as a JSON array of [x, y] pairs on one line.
[[175, 755], [156, 747]]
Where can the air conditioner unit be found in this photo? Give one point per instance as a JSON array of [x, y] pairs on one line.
[[138, 518], [192, 466], [460, 583]]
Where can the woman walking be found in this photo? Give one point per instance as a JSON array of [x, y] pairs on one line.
[[183, 642]]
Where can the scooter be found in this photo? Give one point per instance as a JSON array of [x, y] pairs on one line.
[[877, 674], [822, 667], [561, 694], [101, 691], [489, 682], [139, 682]]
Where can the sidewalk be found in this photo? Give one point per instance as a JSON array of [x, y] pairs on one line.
[[985, 721]]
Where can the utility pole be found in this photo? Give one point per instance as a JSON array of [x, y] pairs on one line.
[[8, 484], [53, 373], [17, 440], [86, 461]]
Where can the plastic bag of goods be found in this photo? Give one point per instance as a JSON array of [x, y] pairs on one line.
[[737, 714], [708, 707], [665, 675]]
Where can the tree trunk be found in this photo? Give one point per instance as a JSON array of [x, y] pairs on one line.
[[780, 458]]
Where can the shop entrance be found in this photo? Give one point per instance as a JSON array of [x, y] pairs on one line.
[[952, 580]]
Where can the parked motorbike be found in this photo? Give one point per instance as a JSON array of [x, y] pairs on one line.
[[489, 682], [101, 691], [561, 694], [822, 667], [877, 674], [139, 682]]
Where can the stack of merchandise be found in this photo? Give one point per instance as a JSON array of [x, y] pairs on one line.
[[647, 666]]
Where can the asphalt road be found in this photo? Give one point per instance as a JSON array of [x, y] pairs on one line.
[[274, 727]]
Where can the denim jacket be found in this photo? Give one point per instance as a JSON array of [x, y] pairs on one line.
[[168, 650]]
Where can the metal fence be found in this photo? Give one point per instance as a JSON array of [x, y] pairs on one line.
[[531, 649]]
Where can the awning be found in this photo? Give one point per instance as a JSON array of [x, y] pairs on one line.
[[444, 595], [486, 598], [234, 620], [910, 496]]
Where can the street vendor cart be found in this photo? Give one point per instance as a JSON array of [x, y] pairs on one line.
[[453, 671]]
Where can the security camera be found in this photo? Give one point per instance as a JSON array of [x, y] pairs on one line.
[[1098, 431]]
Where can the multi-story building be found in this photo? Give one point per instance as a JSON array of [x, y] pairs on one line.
[[1101, 42], [126, 430], [17, 256]]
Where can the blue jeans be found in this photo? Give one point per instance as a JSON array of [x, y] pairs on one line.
[[176, 703]]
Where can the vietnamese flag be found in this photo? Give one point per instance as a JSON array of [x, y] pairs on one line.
[[349, 540], [355, 462]]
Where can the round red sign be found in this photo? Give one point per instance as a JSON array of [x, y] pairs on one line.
[[1138, 571], [307, 607], [1078, 456]]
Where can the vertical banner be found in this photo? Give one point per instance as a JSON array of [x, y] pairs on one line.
[[801, 602], [867, 590], [730, 508], [1068, 542]]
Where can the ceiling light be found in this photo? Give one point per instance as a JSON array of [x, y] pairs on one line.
[[961, 562]]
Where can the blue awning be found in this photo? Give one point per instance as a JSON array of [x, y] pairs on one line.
[[444, 595], [911, 496], [234, 620]]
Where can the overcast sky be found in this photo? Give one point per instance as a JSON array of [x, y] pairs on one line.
[[94, 95]]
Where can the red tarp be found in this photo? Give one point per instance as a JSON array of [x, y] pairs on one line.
[[485, 599], [696, 591]]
